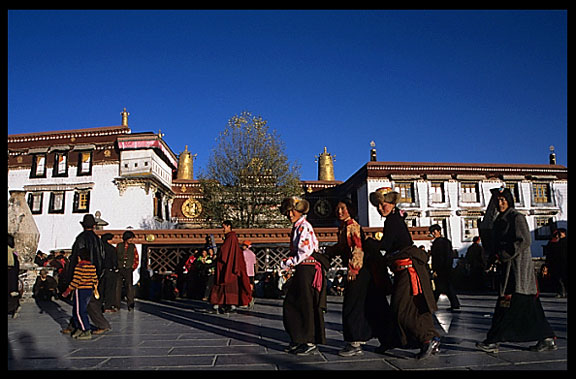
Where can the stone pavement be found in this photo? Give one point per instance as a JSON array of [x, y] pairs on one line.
[[182, 335]]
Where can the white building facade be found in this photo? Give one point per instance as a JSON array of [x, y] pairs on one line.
[[455, 196], [124, 179]]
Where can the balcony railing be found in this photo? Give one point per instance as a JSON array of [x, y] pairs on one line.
[[166, 249]]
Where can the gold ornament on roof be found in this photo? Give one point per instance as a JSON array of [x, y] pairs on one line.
[[325, 165], [186, 165], [125, 117]]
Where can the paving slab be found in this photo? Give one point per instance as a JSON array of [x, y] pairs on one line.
[[184, 335]]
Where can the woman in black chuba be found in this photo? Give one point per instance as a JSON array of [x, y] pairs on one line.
[[518, 316], [365, 309], [412, 301]]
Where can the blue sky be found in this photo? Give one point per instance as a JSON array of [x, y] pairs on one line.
[[427, 86]]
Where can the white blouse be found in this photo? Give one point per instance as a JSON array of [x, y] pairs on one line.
[[303, 243]]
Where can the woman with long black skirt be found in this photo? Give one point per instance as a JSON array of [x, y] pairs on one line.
[[305, 300], [365, 309], [518, 316], [412, 300]]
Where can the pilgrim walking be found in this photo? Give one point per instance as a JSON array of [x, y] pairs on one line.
[[412, 299], [231, 284], [518, 316], [305, 300], [365, 310]]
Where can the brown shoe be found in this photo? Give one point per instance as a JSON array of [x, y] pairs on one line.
[[100, 331], [67, 330]]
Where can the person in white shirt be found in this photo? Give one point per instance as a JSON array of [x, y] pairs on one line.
[[306, 296]]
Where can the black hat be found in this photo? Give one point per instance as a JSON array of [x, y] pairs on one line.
[[88, 221], [127, 235], [507, 194], [107, 237]]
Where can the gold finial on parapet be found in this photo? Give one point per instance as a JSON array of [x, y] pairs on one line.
[[186, 165], [125, 117], [325, 165]]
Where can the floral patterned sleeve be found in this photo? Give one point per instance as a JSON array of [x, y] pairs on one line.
[[304, 241], [355, 243]]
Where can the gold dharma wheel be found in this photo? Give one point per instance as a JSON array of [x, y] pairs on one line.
[[191, 208]]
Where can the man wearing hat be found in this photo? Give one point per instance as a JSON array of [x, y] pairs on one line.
[[89, 240], [250, 259], [127, 262], [412, 301]]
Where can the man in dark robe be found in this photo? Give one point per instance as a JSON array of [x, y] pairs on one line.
[[231, 283], [442, 259]]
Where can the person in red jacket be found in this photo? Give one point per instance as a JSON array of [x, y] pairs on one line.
[[231, 283]]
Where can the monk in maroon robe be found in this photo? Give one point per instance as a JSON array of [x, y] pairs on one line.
[[231, 283]]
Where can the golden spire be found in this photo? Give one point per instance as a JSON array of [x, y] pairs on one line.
[[186, 165], [325, 165], [125, 117]]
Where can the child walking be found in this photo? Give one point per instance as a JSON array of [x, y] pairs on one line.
[[83, 283]]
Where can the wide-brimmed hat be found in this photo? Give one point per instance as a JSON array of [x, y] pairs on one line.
[[294, 203], [384, 195], [88, 221]]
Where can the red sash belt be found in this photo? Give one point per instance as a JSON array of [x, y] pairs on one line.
[[406, 264], [317, 282]]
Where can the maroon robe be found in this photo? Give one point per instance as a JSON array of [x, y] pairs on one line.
[[231, 282]]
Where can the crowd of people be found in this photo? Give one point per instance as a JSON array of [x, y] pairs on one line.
[[407, 320], [396, 309]]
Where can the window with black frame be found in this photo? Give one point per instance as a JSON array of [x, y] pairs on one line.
[[60, 164], [56, 204], [35, 202], [81, 202], [38, 169], [84, 163]]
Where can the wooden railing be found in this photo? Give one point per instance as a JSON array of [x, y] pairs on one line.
[[256, 236], [166, 249]]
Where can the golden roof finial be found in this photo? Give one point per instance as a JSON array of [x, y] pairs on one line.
[[325, 165], [125, 117], [186, 165]]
